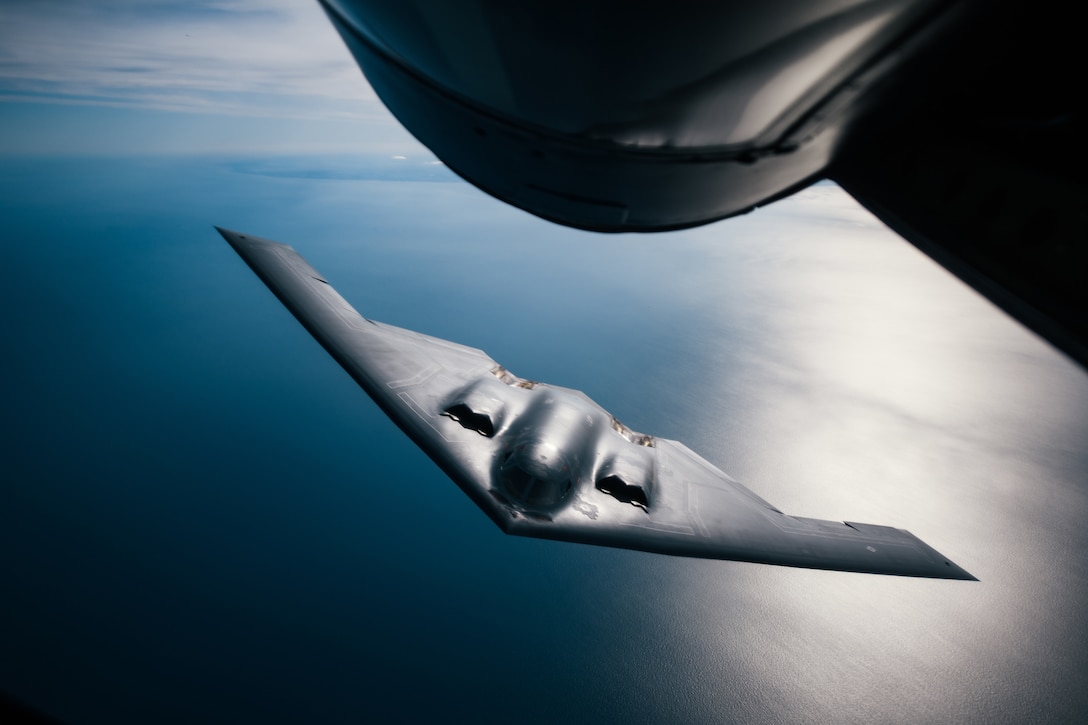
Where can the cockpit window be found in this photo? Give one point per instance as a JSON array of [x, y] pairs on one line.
[[534, 490], [478, 422], [620, 490], [518, 482]]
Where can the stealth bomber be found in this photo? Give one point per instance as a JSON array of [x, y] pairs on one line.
[[548, 462]]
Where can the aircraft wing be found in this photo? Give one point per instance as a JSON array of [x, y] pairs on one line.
[[548, 462]]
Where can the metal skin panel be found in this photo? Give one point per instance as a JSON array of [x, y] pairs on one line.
[[547, 462], [957, 123]]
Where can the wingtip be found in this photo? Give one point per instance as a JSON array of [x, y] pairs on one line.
[[228, 234], [241, 241], [958, 572]]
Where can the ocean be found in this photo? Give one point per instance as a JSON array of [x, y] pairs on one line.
[[202, 519]]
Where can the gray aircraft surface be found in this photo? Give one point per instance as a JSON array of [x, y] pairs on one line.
[[547, 462], [959, 123]]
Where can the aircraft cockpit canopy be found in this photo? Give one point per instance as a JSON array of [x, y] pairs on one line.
[[535, 475]]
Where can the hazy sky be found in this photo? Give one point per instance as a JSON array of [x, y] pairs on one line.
[[160, 76]]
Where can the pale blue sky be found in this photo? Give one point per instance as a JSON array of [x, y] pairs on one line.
[[157, 76]]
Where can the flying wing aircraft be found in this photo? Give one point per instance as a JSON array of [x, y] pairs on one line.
[[959, 123], [547, 462]]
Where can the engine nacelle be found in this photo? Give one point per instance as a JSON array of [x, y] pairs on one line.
[[619, 115]]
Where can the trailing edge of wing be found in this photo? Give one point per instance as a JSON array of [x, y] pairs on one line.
[[548, 462]]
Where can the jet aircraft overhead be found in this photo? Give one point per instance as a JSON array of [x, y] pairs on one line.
[[960, 124], [548, 462]]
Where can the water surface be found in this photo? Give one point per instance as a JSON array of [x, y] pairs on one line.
[[203, 519]]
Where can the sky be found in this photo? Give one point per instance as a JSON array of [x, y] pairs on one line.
[[138, 77], [203, 519]]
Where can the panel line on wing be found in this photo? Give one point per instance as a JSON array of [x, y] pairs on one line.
[[332, 299], [660, 526], [419, 378], [426, 417], [691, 497]]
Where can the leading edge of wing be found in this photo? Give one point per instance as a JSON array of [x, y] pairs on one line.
[[409, 375], [548, 462]]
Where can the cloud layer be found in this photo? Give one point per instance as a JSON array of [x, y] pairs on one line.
[[277, 58]]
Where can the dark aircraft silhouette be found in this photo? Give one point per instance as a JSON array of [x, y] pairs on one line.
[[959, 124], [548, 462]]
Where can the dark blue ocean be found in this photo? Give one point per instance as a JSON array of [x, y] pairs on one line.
[[202, 519]]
